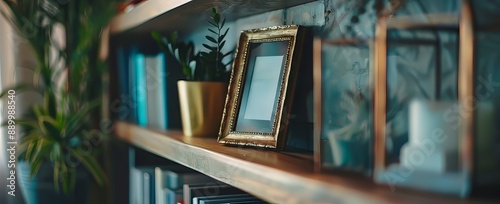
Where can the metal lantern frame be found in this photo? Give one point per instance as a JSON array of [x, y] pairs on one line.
[[465, 85]]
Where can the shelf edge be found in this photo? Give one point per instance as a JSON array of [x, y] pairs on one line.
[[274, 185], [142, 13]]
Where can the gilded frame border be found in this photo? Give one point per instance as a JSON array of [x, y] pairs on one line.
[[275, 138]]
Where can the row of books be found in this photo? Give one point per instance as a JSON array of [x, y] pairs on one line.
[[176, 184], [148, 91]]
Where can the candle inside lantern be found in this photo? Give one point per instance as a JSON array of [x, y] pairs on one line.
[[433, 136]]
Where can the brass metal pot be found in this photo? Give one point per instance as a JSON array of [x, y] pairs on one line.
[[201, 104]]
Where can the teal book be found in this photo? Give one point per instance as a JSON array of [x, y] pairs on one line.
[[120, 107], [141, 89], [132, 83]]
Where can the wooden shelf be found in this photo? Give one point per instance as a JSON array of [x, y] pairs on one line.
[[143, 13], [273, 176], [170, 15]]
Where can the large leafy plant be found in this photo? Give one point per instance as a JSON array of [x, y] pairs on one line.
[[207, 65], [54, 130]]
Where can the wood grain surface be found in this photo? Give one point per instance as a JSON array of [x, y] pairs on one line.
[[270, 175]]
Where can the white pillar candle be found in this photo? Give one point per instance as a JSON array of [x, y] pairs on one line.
[[428, 119], [433, 136]]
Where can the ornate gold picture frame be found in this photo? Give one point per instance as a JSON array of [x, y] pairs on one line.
[[261, 87]]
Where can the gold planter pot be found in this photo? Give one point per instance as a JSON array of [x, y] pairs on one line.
[[201, 106]]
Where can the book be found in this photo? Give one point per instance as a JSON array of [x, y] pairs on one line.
[[245, 200], [120, 106], [144, 185], [155, 76], [258, 201], [171, 196], [135, 187], [140, 88], [146, 189], [207, 189], [174, 177], [203, 199], [132, 96]]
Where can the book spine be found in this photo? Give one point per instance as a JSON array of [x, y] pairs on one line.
[[123, 113], [160, 197], [156, 93], [146, 188], [132, 84], [162, 70], [141, 90], [136, 188]]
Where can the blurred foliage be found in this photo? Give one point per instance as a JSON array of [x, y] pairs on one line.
[[54, 130], [206, 65]]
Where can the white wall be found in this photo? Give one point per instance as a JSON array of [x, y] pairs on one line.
[[6, 73], [16, 64]]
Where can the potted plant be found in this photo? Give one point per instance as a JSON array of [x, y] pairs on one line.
[[56, 157], [203, 91]]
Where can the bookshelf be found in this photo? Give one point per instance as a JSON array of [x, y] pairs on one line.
[[276, 177]]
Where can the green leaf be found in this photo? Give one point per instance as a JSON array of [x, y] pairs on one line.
[[223, 35], [39, 112], [55, 154], [63, 171], [28, 144], [227, 54], [75, 120], [222, 45], [208, 46], [223, 23], [42, 149], [156, 36], [216, 18], [30, 149], [48, 126], [22, 122], [212, 31], [186, 70], [173, 36], [68, 180], [213, 24], [49, 103], [35, 165], [18, 88], [57, 167], [211, 39], [91, 164]]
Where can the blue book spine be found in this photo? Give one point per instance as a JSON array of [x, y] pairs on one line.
[[141, 90], [132, 97], [163, 79], [123, 112]]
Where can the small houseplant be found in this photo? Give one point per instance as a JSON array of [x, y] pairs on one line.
[[53, 132], [203, 91]]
